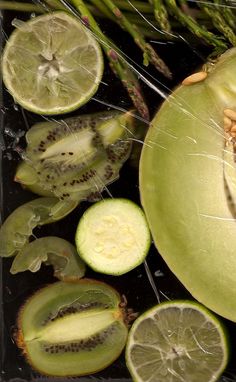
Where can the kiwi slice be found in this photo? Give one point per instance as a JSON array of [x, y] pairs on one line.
[[72, 329], [27, 176], [76, 157], [18, 227], [50, 250]]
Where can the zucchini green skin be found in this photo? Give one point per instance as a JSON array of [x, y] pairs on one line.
[[183, 191]]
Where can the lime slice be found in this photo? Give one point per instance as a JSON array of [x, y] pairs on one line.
[[52, 64], [177, 342]]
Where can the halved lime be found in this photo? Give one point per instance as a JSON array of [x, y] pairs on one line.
[[177, 341], [52, 64]]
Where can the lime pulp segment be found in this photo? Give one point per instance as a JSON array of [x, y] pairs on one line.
[[52, 64], [176, 342]]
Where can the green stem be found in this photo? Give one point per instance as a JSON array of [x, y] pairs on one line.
[[194, 27], [117, 63], [185, 8], [54, 4], [141, 6], [103, 9], [226, 12], [161, 15], [20, 7], [149, 53], [220, 23], [142, 23]]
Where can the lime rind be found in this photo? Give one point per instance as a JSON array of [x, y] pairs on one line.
[[45, 85], [180, 304]]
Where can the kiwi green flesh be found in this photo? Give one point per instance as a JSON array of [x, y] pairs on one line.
[[85, 356], [78, 156], [45, 134], [50, 324], [18, 227], [183, 178], [28, 178], [50, 250]]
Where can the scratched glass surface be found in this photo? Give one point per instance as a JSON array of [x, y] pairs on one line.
[[151, 282]]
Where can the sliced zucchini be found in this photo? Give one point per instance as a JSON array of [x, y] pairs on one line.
[[113, 236]]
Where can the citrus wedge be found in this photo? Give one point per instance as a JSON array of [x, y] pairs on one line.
[[177, 342], [52, 64]]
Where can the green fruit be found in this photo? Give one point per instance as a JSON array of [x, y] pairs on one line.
[[177, 341], [72, 329], [52, 64], [18, 227], [187, 184], [113, 237], [52, 251], [77, 157], [27, 176]]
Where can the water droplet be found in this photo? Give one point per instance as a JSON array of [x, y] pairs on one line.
[[22, 25], [8, 156], [164, 371], [181, 364], [158, 273]]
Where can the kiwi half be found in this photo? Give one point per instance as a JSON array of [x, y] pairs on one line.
[[72, 329], [77, 157]]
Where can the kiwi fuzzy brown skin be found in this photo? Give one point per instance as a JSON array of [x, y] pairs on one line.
[[119, 316]]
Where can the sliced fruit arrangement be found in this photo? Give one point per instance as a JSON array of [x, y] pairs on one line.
[[177, 341], [52, 251], [113, 236], [187, 185], [52, 64], [72, 329], [77, 157], [18, 227]]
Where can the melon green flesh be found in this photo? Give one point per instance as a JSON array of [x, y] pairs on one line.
[[183, 190], [52, 64], [85, 314], [77, 156], [175, 342]]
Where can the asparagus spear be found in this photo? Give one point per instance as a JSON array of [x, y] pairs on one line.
[[149, 52], [118, 64], [219, 22], [103, 9], [227, 13], [141, 6], [194, 27], [21, 7], [161, 15]]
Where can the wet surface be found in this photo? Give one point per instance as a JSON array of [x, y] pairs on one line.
[[143, 286]]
